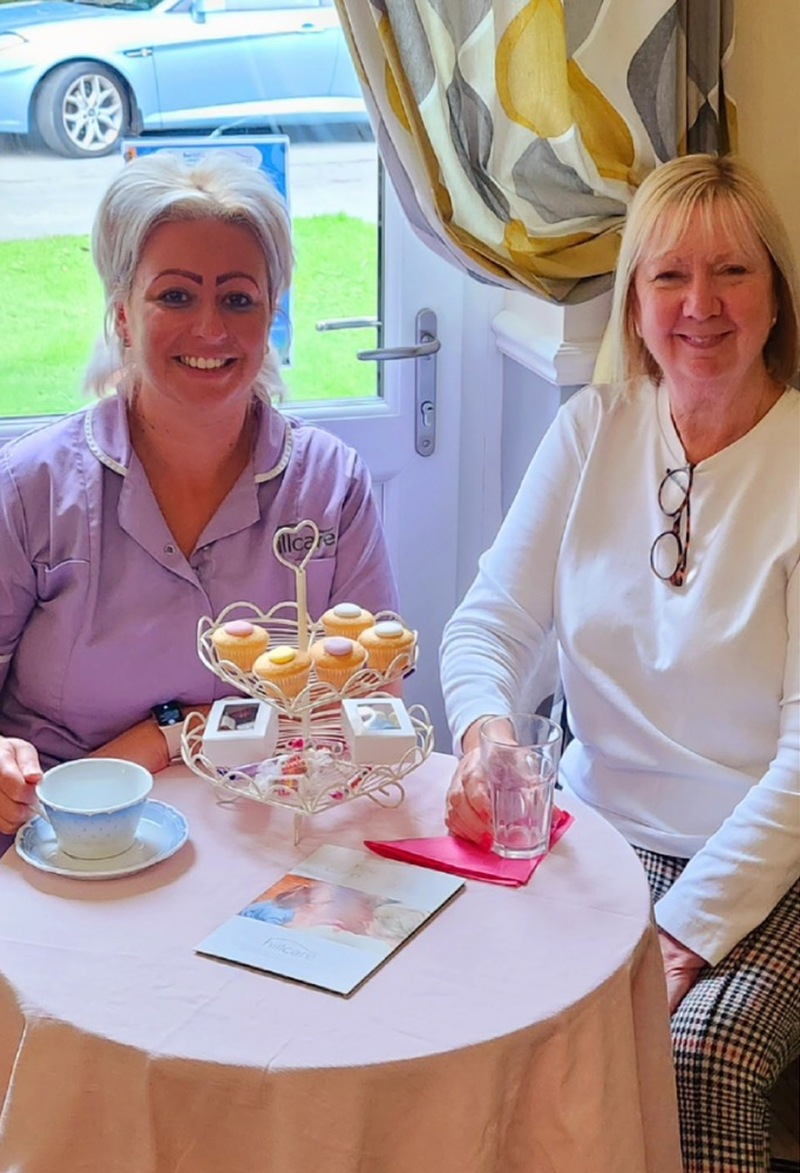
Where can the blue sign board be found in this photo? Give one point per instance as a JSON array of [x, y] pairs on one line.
[[269, 152]]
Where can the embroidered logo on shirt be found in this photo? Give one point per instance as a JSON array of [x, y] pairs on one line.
[[290, 545]]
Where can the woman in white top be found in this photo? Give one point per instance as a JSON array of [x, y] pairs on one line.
[[657, 532]]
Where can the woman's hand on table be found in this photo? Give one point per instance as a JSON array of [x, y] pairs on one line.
[[682, 968], [143, 744], [19, 773]]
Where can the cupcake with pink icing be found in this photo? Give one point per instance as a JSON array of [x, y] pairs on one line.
[[336, 658], [240, 642]]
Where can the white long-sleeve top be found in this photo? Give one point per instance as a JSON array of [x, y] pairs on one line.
[[684, 701]]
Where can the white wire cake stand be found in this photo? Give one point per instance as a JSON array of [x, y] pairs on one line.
[[283, 627], [310, 770]]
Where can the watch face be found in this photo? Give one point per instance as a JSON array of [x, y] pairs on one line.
[[168, 713]]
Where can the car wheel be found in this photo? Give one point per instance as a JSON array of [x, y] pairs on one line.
[[82, 110]]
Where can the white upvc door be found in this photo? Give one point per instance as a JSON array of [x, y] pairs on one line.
[[419, 494]]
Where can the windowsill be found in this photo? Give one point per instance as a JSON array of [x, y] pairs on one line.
[[558, 343]]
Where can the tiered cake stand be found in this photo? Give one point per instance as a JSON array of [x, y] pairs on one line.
[[310, 770]]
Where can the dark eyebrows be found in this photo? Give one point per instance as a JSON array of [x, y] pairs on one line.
[[235, 275], [198, 280]]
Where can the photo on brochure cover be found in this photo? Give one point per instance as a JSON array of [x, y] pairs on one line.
[[336, 912], [334, 919]]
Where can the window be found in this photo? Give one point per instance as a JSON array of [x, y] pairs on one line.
[[50, 300]]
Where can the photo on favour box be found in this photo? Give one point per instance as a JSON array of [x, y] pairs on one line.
[[334, 919], [378, 730], [238, 716], [240, 732], [378, 715]]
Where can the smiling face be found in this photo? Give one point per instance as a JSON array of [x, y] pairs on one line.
[[704, 306], [198, 316]]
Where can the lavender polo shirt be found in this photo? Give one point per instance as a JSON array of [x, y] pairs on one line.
[[98, 606]]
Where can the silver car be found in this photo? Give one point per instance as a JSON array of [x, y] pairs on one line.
[[81, 74]]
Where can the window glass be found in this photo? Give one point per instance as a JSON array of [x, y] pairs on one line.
[[51, 308]]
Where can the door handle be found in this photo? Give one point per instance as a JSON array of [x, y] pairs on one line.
[[429, 344], [348, 324], [426, 344], [424, 352]]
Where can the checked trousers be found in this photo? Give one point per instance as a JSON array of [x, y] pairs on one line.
[[733, 1034]]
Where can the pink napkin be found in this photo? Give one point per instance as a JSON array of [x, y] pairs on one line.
[[445, 853]]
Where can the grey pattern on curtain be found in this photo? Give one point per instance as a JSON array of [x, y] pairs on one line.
[[516, 131]]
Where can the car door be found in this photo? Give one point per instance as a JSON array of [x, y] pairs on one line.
[[230, 59]]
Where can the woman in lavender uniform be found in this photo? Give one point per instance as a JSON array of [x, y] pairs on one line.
[[123, 524], [657, 535]]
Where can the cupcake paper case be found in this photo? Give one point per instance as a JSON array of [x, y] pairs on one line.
[[287, 668], [240, 642], [336, 659], [346, 619], [385, 642]]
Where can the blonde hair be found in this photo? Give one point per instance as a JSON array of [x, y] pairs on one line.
[[158, 188], [720, 189]]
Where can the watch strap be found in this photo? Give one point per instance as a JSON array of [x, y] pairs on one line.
[[169, 718], [172, 735]]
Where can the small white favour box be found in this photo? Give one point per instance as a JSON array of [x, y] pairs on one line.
[[377, 729], [239, 731]]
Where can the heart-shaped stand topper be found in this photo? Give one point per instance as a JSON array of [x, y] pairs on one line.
[[294, 546]]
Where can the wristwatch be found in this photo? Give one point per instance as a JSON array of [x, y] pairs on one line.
[[169, 718]]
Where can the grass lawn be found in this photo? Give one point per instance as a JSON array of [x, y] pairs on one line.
[[51, 313]]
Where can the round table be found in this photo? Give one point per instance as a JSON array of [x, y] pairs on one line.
[[521, 1030]]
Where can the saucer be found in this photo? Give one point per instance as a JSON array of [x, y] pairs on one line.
[[162, 830]]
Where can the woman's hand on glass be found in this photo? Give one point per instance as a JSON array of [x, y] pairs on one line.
[[20, 771], [468, 812]]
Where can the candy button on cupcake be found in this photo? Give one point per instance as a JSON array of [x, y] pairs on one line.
[[240, 642], [336, 659], [347, 619], [385, 642], [287, 668]]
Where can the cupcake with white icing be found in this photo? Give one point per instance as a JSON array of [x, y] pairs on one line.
[[386, 642], [346, 619]]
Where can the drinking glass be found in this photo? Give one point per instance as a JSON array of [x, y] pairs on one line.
[[519, 758]]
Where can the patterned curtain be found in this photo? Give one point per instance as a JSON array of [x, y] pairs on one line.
[[516, 131]]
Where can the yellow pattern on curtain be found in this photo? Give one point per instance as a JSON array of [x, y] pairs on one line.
[[515, 131]]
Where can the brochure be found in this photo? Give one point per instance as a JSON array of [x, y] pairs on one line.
[[334, 919]]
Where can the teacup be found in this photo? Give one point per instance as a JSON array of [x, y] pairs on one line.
[[94, 805]]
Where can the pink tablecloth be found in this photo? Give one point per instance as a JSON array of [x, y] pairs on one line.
[[522, 1031]]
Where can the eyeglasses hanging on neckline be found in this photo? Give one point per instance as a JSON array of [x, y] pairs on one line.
[[669, 551]]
